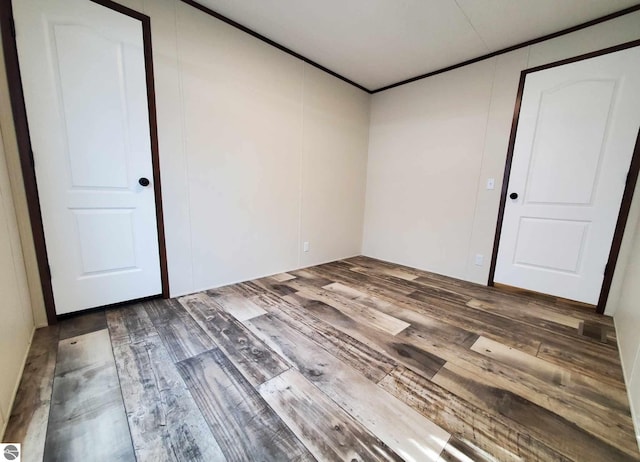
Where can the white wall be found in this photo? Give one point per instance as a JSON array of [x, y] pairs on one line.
[[16, 328], [434, 143]]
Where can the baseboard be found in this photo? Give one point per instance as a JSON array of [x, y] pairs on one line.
[[17, 385]]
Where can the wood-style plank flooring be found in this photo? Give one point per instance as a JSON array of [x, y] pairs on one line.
[[353, 360]]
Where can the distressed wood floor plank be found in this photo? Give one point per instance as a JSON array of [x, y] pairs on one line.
[[87, 419], [84, 323], [401, 428], [564, 326], [562, 319], [248, 353], [461, 451], [165, 422], [598, 360], [440, 310], [578, 385], [238, 305], [368, 361], [30, 414], [328, 431], [411, 346], [181, 334], [471, 424], [564, 436], [395, 347], [245, 426], [518, 301]]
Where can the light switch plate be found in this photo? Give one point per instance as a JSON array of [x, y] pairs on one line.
[[491, 183]]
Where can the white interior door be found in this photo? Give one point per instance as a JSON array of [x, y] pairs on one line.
[[574, 143], [83, 74]]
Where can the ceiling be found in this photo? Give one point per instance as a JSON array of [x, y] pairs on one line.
[[376, 43]]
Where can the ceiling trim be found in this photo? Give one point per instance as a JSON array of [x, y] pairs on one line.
[[593, 22], [253, 33], [231, 22]]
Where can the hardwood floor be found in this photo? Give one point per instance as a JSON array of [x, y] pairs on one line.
[[352, 360]]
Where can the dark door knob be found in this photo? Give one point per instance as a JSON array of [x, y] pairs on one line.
[[144, 181], [513, 196]]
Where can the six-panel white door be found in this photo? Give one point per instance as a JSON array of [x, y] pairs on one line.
[[574, 143], [84, 80]]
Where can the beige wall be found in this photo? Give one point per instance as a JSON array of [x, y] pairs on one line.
[[434, 143], [259, 152], [20, 200], [16, 328], [627, 319]]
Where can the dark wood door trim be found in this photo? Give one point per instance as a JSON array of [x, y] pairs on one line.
[[18, 107], [626, 198]]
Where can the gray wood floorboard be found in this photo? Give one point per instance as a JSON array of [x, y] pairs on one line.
[[165, 422], [181, 334], [87, 419], [244, 425]]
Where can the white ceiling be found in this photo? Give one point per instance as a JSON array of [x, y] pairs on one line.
[[379, 42]]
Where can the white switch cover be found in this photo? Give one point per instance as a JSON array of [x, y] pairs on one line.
[[479, 260], [491, 183], [305, 246]]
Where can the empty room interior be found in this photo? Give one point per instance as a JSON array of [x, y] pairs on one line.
[[293, 230]]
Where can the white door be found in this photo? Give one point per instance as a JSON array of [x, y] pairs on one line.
[[83, 73], [574, 142]]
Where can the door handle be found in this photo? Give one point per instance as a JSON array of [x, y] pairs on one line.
[[513, 196], [144, 182]]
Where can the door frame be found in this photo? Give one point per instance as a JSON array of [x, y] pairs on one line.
[[18, 106], [627, 196]]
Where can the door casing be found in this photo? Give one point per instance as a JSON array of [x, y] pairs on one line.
[[629, 189], [26, 153]]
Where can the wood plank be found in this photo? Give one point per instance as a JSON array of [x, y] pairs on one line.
[[83, 323], [559, 325], [359, 313], [439, 310], [482, 291], [579, 385], [247, 352], [461, 451], [595, 359], [417, 342], [238, 305], [180, 333], [543, 313], [396, 347], [283, 277], [406, 432], [399, 273], [327, 430], [164, 421], [87, 419], [342, 298], [368, 361], [30, 413], [564, 436], [469, 423], [244, 425], [417, 319]]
